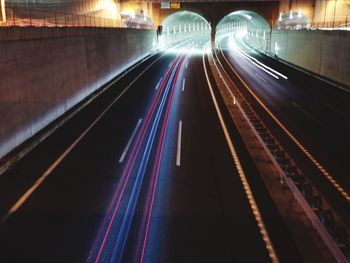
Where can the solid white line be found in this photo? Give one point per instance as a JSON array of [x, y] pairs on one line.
[[53, 166], [159, 83], [186, 64], [307, 113], [260, 77], [179, 135], [130, 141], [183, 84], [338, 111]]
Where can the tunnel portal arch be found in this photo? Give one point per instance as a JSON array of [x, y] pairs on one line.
[[182, 26], [214, 12], [247, 21]]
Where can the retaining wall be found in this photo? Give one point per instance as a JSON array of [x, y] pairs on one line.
[[46, 71]]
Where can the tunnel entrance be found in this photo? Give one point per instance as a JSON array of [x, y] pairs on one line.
[[184, 26], [247, 24]]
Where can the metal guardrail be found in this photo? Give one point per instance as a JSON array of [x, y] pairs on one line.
[[25, 17], [331, 231], [307, 197], [337, 23]]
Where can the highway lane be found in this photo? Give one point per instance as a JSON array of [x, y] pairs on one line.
[[315, 112], [190, 204], [59, 221], [201, 213]]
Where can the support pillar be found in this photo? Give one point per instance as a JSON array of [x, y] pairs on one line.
[[212, 34]]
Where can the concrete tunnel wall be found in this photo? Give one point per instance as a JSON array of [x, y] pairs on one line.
[[326, 53], [46, 71]]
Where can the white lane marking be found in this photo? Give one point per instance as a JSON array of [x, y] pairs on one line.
[[307, 114], [338, 111], [323, 170], [53, 166], [260, 77], [186, 64], [130, 141], [243, 178], [179, 135], [159, 83], [183, 84]]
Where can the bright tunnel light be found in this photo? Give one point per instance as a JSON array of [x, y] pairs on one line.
[[3, 10]]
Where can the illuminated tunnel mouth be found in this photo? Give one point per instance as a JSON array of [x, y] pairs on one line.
[[245, 21], [184, 31]]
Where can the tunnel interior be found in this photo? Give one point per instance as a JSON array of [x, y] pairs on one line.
[[184, 26], [246, 23]]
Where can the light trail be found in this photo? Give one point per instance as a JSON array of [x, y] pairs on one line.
[[307, 153], [156, 167], [125, 227], [58, 161], [121, 235], [118, 194], [254, 61]]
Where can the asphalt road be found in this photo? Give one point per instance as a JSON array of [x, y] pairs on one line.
[[130, 190], [315, 112]]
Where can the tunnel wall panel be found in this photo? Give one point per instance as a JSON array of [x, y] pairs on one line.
[[44, 72], [326, 53]]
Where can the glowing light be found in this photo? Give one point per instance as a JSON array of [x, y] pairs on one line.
[[299, 13], [127, 13], [291, 14], [280, 18], [276, 48], [3, 10], [110, 8]]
